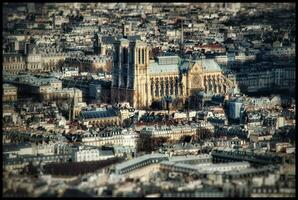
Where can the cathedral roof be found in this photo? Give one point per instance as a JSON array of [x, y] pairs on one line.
[[209, 65], [165, 64], [170, 64], [186, 64], [155, 68]]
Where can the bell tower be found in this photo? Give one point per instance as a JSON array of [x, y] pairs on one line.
[[142, 98], [120, 70], [130, 81]]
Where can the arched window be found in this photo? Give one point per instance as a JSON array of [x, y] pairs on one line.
[[125, 55], [116, 54], [131, 56]]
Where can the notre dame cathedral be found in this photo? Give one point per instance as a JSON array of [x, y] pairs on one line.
[[141, 81]]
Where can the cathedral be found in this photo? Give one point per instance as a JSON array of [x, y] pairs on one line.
[[140, 81]]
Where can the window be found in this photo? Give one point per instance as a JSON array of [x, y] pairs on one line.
[[125, 54], [143, 56], [116, 54], [131, 56], [139, 53]]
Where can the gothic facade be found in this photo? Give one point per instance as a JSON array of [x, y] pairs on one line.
[[140, 81]]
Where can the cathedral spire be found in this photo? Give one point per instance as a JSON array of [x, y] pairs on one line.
[[96, 44]]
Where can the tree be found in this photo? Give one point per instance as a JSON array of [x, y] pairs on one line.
[[148, 144], [203, 134], [32, 169]]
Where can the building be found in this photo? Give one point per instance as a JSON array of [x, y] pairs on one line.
[[53, 57], [255, 78], [206, 125], [172, 132], [280, 122], [254, 119], [127, 29], [88, 63], [9, 93], [282, 147], [44, 88], [28, 84], [14, 63], [124, 150], [64, 93], [192, 159], [234, 110], [141, 81], [200, 99], [34, 61], [70, 71], [128, 167], [112, 136], [92, 89], [250, 172], [182, 149], [228, 155], [33, 58], [256, 137], [20, 162], [26, 149], [197, 193], [204, 168], [90, 154], [101, 118], [273, 192]]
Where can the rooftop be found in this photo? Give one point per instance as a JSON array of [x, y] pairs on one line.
[[156, 68], [139, 159], [5, 85], [209, 65], [98, 114], [185, 158], [171, 64]]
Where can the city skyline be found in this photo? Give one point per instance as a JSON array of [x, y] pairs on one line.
[[149, 99]]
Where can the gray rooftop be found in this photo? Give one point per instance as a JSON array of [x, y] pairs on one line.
[[192, 157], [98, 114], [156, 68], [209, 65], [195, 168], [5, 85], [15, 147], [168, 60], [139, 159], [208, 167], [32, 80], [172, 64]]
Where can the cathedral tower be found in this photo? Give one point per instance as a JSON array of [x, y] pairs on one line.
[[130, 81], [141, 78]]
